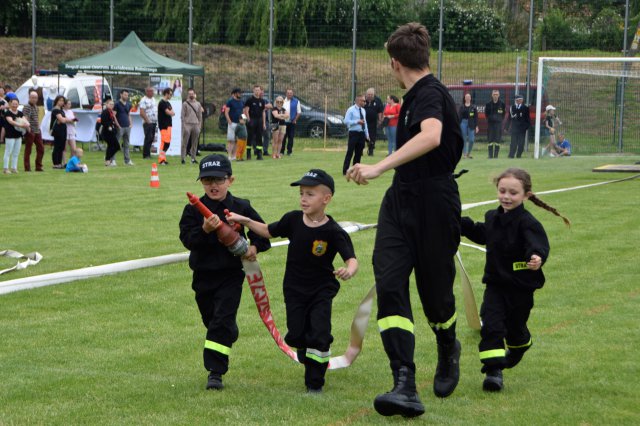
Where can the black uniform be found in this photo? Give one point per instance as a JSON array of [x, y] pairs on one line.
[[511, 239], [255, 125], [419, 228], [309, 288], [519, 123], [373, 110], [217, 276], [494, 111]]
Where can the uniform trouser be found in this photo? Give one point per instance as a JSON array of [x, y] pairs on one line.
[[355, 146], [494, 131], [190, 135], [309, 330], [373, 137], [504, 312], [254, 136], [124, 134], [218, 297], [287, 142], [29, 140], [418, 230], [149, 136], [517, 143]]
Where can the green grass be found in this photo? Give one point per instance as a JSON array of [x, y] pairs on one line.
[[126, 348]]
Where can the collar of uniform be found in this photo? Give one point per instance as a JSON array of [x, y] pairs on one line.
[[227, 203], [424, 81], [506, 218]]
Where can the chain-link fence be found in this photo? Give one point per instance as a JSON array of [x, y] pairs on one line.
[[325, 50]]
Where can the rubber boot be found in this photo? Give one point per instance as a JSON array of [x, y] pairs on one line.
[[496, 150], [259, 155], [403, 399], [448, 369], [490, 149], [493, 381]]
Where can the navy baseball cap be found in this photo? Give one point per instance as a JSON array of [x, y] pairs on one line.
[[315, 177], [519, 96], [215, 165]]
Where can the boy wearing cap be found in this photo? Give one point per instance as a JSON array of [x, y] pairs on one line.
[[519, 122], [241, 139], [217, 274], [232, 112], [310, 282]]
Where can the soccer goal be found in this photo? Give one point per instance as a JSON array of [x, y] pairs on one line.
[[597, 103]]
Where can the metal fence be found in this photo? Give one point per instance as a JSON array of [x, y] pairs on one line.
[[341, 63]]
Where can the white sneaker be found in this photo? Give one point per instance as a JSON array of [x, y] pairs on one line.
[[113, 163], [130, 163], [552, 154]]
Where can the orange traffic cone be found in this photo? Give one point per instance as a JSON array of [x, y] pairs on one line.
[[155, 179]]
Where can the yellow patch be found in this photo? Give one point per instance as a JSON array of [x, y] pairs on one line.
[[319, 248]]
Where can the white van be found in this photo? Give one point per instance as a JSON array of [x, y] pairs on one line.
[[85, 91]]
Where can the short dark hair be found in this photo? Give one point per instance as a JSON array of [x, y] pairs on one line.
[[55, 101], [410, 45], [167, 90], [123, 91], [7, 87], [395, 98], [191, 89]]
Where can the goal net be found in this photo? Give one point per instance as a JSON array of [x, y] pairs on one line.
[[597, 103]]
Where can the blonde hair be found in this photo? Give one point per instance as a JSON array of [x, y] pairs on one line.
[[279, 99]]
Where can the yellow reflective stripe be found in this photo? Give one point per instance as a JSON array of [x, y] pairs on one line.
[[494, 353], [526, 345], [208, 344], [518, 266], [395, 321], [444, 325], [316, 355]]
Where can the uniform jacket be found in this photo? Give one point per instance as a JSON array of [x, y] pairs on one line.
[[519, 119], [494, 111], [511, 238], [207, 253]]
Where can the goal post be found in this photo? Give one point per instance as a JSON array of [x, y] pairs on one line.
[[590, 97]]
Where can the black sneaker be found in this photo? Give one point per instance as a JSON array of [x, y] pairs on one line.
[[493, 381], [183, 162], [215, 381], [448, 370]]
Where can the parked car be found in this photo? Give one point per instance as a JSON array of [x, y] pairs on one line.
[[85, 91], [309, 124], [481, 95]]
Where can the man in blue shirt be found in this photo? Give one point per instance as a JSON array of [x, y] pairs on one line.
[[358, 132], [232, 112], [123, 109]]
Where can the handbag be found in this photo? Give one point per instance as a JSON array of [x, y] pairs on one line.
[[275, 126], [385, 122]]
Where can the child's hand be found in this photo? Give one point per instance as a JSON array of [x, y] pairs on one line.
[[342, 273], [535, 263], [210, 224], [237, 218]]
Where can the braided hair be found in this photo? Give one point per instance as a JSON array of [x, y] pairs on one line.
[[524, 177]]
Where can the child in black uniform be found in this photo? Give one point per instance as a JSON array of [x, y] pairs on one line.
[[217, 274], [517, 247], [310, 280]]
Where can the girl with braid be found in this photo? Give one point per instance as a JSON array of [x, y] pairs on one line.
[[517, 247]]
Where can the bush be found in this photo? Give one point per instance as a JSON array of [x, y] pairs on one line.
[[474, 28], [607, 30], [562, 33]]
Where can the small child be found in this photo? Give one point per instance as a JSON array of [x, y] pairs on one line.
[[310, 282], [517, 247], [217, 274], [549, 122], [241, 138], [74, 164]]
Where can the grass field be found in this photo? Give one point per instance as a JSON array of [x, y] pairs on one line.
[[126, 348]]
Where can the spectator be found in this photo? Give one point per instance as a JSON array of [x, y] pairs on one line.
[[358, 133], [241, 137], [254, 108], [4, 105], [291, 104], [15, 127], [58, 129], [191, 116], [468, 124], [563, 146], [278, 126], [374, 109], [232, 112], [149, 115], [165, 123], [71, 130], [123, 116], [75, 165], [519, 122], [33, 136], [266, 134], [391, 114], [110, 128], [495, 111]]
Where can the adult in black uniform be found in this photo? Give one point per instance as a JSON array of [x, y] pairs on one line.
[[418, 224], [254, 108], [494, 110], [519, 123], [374, 108]]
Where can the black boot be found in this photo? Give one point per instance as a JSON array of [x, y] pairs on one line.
[[514, 355], [493, 381], [215, 381], [259, 155], [448, 369], [403, 399]]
